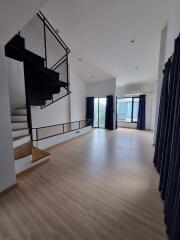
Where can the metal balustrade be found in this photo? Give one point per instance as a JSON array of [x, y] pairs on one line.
[[41, 133]]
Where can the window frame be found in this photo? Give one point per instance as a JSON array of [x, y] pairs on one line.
[[132, 110]]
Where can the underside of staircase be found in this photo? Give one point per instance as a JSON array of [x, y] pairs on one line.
[[41, 82], [26, 156]]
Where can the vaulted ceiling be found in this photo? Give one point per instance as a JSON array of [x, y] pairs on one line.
[[111, 38], [14, 14]]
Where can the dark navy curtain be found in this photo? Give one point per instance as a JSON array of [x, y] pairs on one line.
[[162, 118], [116, 115], [167, 148], [109, 117], [90, 109], [141, 113]]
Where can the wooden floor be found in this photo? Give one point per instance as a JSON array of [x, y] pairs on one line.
[[100, 186]]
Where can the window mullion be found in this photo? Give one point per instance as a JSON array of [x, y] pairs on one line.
[[132, 109]]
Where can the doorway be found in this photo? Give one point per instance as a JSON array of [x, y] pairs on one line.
[[99, 112]]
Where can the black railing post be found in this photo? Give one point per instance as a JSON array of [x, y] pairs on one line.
[[45, 47], [67, 74], [28, 105]]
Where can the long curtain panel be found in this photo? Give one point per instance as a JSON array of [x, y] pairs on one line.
[[109, 117], [167, 149], [162, 118], [142, 113], [90, 109]]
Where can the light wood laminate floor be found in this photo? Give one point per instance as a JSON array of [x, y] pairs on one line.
[[100, 186]]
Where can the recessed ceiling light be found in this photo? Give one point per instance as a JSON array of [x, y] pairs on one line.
[[132, 40], [80, 59]]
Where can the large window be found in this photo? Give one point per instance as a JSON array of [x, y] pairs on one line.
[[99, 112], [127, 109]]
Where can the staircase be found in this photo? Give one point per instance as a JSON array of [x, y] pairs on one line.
[[41, 83], [26, 156], [45, 59]]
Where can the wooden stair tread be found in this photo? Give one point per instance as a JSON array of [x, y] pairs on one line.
[[17, 138], [23, 150], [38, 154]]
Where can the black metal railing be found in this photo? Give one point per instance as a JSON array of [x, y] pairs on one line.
[[42, 39], [41, 133]]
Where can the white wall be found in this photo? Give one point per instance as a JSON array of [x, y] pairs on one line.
[[103, 89], [77, 97], [173, 27], [160, 78], [147, 89], [56, 113], [167, 46], [16, 83], [14, 14], [7, 168]]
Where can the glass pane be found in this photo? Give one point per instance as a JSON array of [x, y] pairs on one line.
[[135, 109], [102, 111], [96, 112], [124, 109]]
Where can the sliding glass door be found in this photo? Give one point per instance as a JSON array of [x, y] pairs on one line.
[[96, 112], [99, 112], [127, 109]]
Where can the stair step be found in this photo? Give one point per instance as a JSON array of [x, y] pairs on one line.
[[23, 150], [20, 132], [26, 163], [15, 47], [45, 88], [32, 160], [19, 114], [40, 95], [37, 102], [23, 164], [38, 154], [18, 141], [43, 75], [47, 102], [32, 59], [20, 111], [19, 125], [19, 118]]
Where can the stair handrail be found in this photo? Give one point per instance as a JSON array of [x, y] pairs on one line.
[[47, 24]]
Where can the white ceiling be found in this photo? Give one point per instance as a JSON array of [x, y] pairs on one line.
[[99, 32]]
